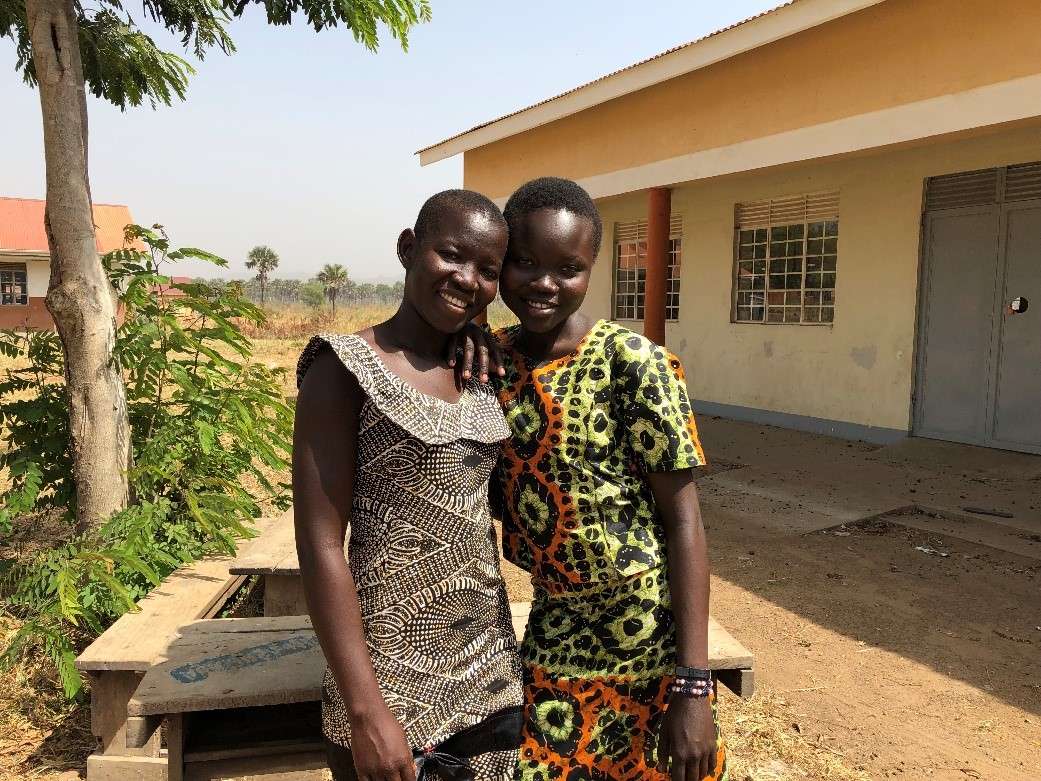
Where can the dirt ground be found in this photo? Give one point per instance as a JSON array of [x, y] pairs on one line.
[[910, 663]]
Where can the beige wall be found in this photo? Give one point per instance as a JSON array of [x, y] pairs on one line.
[[858, 370], [38, 273], [897, 52]]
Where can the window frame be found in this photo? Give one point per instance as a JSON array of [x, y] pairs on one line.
[[9, 277], [634, 233], [798, 216]]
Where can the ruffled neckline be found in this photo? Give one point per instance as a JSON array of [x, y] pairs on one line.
[[475, 416]]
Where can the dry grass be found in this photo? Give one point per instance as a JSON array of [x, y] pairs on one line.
[[765, 743], [11, 363], [43, 737]]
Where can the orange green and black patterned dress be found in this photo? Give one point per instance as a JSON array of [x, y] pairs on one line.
[[578, 514]]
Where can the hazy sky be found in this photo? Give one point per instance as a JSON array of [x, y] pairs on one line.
[[305, 141]]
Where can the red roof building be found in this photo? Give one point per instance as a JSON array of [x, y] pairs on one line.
[[25, 257], [171, 290]]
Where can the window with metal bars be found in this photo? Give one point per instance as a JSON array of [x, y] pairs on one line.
[[630, 269], [786, 254], [14, 287]]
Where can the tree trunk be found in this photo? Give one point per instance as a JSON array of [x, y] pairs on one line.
[[80, 299]]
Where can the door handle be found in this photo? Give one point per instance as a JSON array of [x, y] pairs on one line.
[[1017, 306]]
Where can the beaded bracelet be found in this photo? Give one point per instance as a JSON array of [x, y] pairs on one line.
[[689, 687], [690, 683]]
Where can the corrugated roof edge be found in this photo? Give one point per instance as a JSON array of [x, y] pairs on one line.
[[44, 200], [22, 228], [611, 74]]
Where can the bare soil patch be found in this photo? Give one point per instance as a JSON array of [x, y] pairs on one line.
[[899, 652]]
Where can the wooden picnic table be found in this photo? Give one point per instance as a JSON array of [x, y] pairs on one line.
[[223, 687]]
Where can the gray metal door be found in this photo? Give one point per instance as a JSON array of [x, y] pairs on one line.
[[1017, 414], [956, 329], [979, 366]]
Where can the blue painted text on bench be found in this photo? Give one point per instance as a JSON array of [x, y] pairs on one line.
[[194, 672]]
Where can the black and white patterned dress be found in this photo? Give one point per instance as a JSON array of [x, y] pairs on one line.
[[424, 558]]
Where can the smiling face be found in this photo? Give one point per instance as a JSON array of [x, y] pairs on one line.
[[546, 273], [452, 270]]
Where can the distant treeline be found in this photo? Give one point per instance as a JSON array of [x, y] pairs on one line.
[[313, 293]]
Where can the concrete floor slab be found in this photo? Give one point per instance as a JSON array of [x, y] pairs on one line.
[[802, 482]]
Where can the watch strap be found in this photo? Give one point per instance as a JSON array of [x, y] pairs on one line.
[[693, 673]]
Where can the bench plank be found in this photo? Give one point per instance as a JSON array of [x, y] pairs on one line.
[[304, 766], [189, 593], [103, 767], [724, 652], [136, 638], [273, 552], [212, 626], [240, 662]]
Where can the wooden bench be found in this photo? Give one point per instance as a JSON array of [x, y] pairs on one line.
[[243, 696], [117, 661], [239, 696]]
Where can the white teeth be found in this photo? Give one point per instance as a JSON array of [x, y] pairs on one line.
[[454, 301], [539, 305]]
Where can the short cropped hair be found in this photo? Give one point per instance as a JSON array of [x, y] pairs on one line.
[[551, 192], [433, 210]]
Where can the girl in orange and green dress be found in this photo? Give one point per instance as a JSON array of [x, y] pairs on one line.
[[599, 504]]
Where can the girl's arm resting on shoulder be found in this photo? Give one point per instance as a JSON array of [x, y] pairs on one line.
[[688, 734], [324, 454]]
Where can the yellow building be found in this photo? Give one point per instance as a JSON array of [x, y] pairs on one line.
[[855, 196]]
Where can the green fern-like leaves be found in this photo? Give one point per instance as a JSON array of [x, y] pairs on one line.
[[124, 66], [205, 417]]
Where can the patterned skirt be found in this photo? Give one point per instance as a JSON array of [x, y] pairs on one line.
[[601, 729]]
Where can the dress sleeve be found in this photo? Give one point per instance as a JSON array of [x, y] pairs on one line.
[[651, 394], [310, 352]]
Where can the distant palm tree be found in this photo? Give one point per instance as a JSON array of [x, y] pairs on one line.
[[334, 278], [263, 259]]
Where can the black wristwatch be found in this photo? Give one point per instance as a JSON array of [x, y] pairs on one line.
[[693, 673]]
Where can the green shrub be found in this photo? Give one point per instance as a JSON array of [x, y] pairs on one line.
[[203, 416], [312, 294]]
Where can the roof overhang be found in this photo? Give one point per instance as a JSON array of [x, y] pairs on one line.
[[761, 30], [25, 254], [976, 110]]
